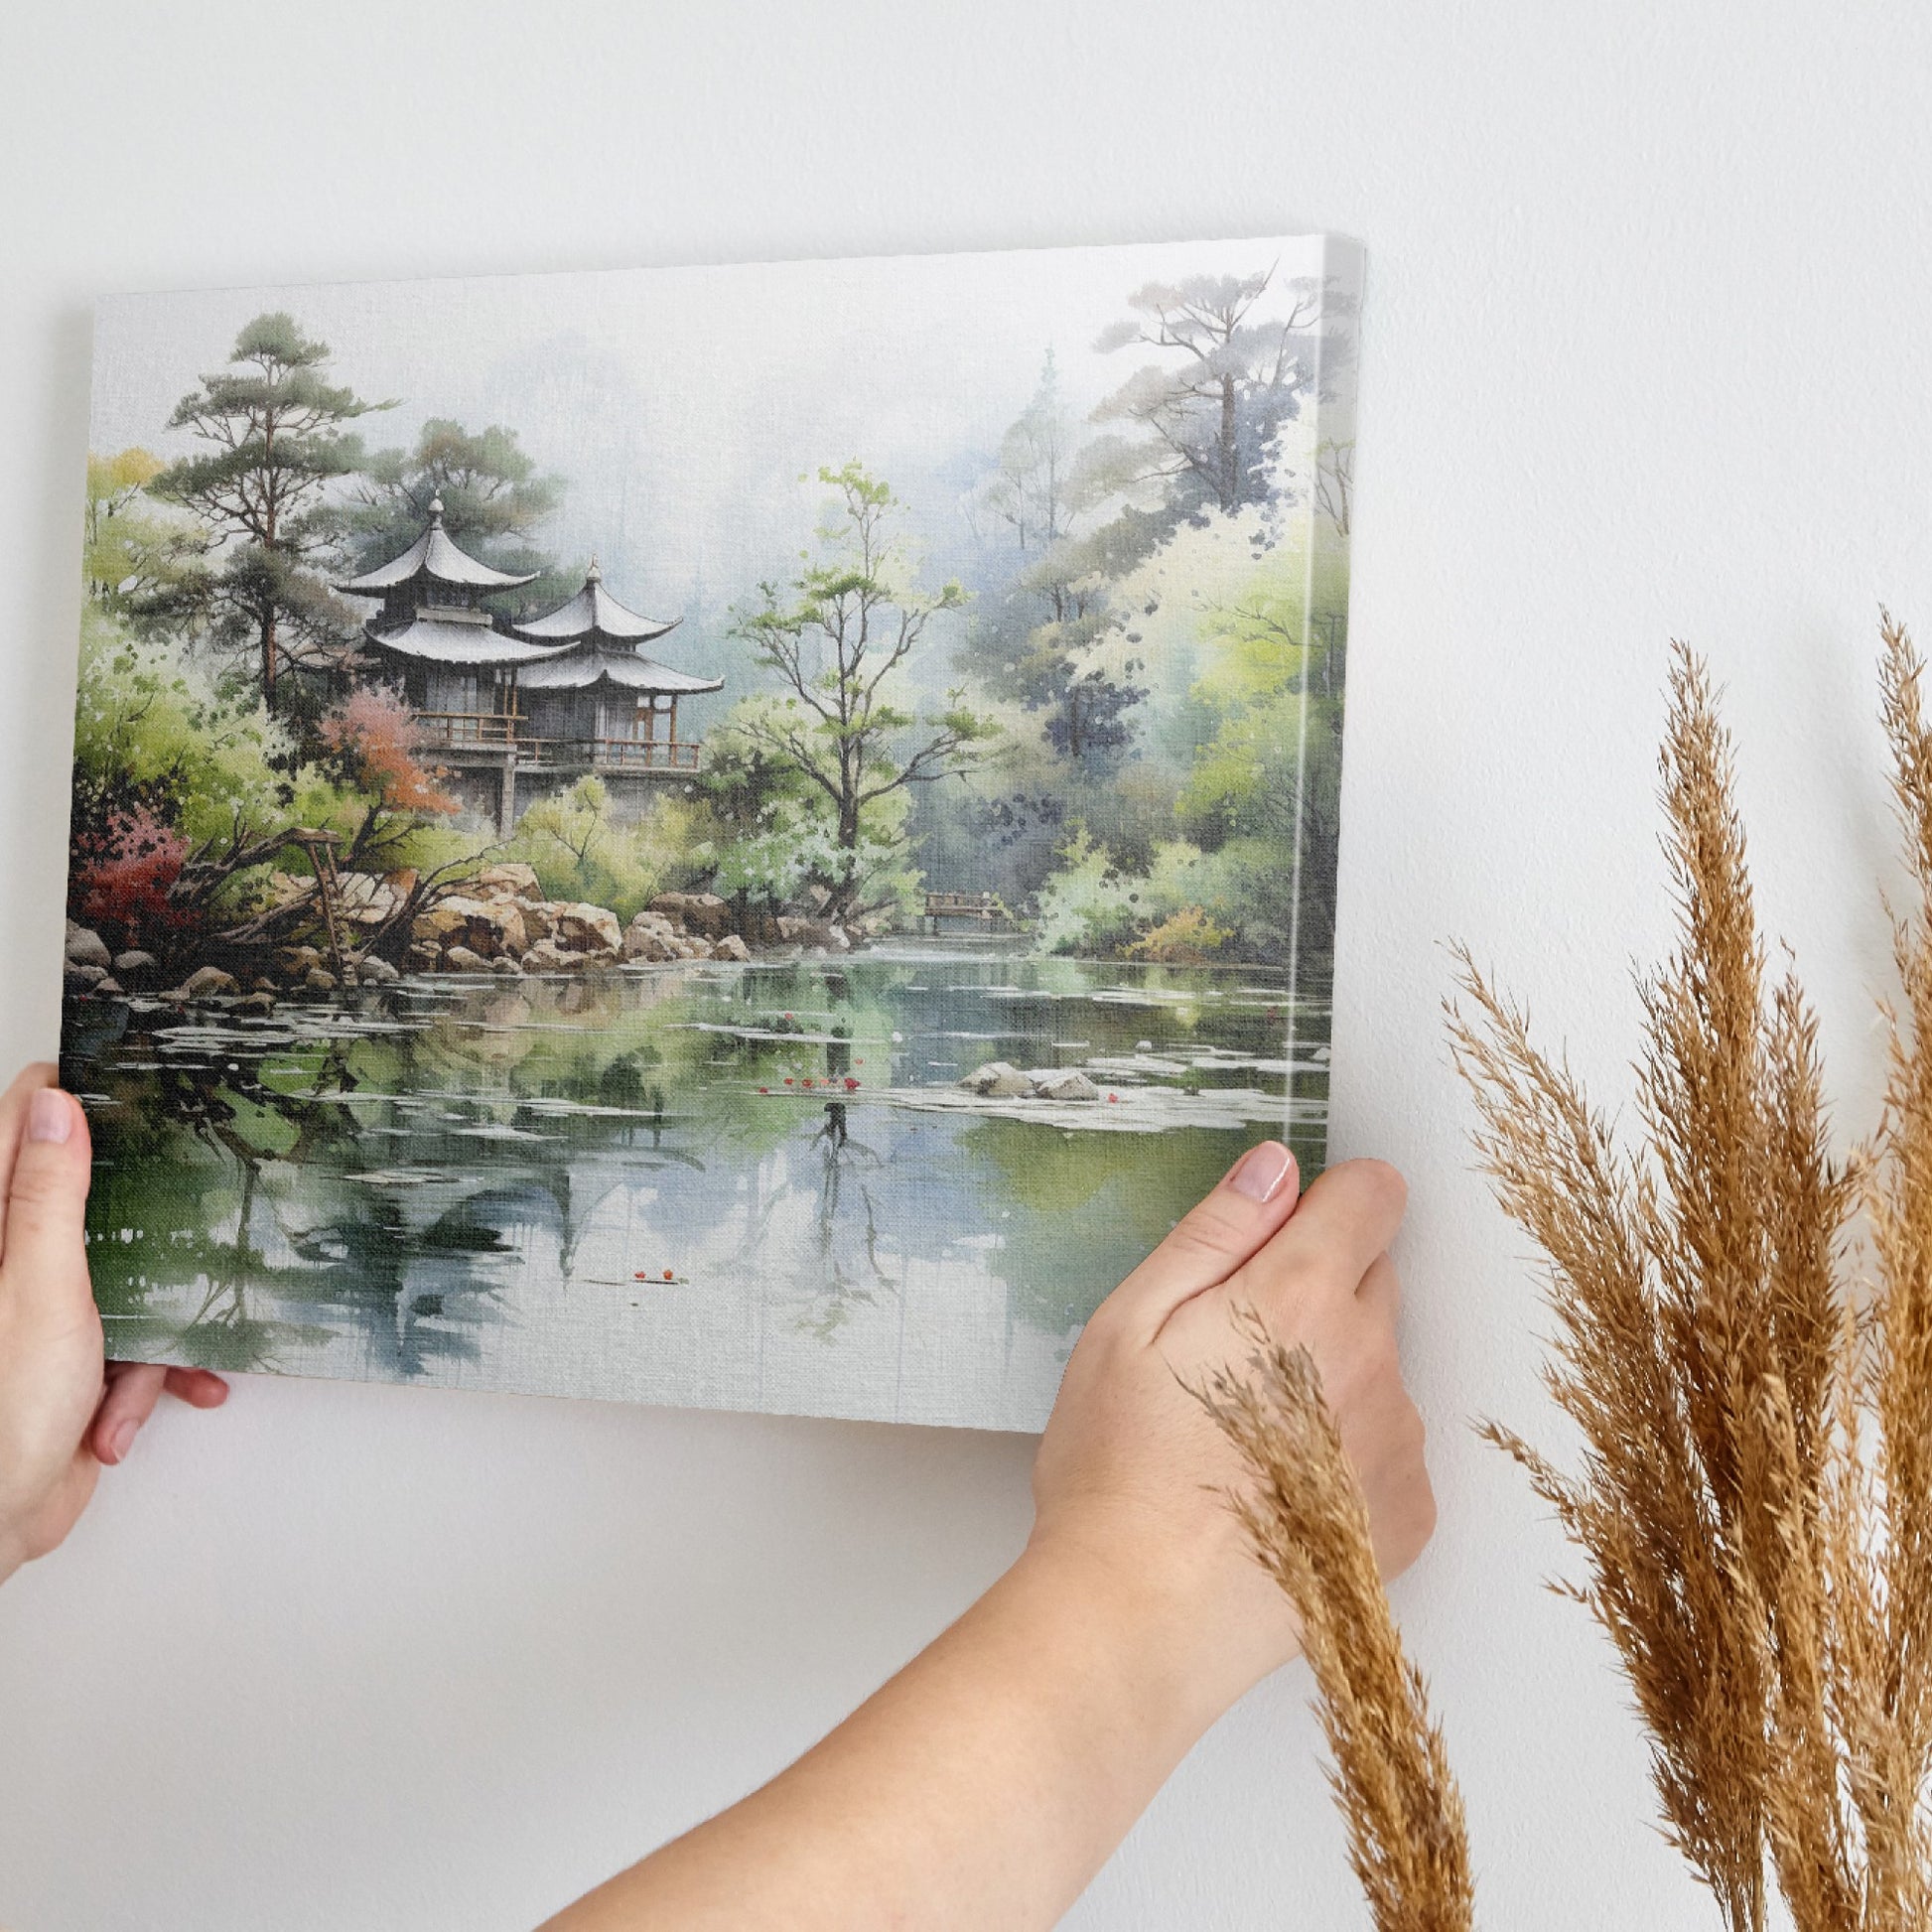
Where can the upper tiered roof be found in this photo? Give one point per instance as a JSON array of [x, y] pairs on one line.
[[435, 555], [427, 610]]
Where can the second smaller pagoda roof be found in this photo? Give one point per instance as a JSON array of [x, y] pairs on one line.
[[593, 611], [576, 670]]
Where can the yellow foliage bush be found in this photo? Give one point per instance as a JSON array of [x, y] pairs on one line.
[[1184, 938]]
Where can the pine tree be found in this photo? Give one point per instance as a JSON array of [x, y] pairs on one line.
[[275, 437]]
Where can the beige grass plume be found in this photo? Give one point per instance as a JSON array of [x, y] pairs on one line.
[[1309, 1525], [1753, 1500], [1753, 1495]]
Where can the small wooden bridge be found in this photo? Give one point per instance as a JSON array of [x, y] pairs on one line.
[[985, 910]]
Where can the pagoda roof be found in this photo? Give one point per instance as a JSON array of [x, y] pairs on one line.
[[592, 612], [431, 639], [434, 554], [576, 670]]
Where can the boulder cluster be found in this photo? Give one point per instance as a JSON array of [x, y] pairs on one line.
[[504, 924], [499, 922], [91, 969], [999, 1080], [364, 899]]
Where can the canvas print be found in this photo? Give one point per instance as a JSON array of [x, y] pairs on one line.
[[743, 837]]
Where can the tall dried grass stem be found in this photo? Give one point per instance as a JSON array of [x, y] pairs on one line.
[[1305, 1517]]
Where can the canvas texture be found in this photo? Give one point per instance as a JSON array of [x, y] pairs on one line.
[[739, 837]]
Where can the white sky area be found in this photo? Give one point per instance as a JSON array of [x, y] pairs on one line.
[[682, 405]]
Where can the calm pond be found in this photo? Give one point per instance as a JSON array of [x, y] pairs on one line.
[[754, 1187]]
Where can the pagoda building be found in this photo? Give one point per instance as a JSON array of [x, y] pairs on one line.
[[595, 688], [524, 706], [457, 669]]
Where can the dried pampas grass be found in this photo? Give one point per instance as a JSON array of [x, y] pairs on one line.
[[1306, 1519], [1754, 1495], [1752, 1388]]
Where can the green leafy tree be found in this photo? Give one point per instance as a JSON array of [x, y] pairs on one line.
[[184, 790], [1088, 906], [274, 433], [1240, 863], [140, 563], [1268, 780], [773, 822], [1046, 645], [494, 501], [174, 782], [778, 832], [838, 639], [156, 731]]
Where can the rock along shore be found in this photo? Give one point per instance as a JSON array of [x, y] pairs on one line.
[[500, 923]]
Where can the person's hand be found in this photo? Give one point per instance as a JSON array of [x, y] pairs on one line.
[[1130, 1475], [63, 1411], [1045, 1717]]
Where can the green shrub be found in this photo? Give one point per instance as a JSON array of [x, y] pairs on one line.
[[1088, 907], [580, 851]]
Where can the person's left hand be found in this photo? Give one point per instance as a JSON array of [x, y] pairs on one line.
[[63, 1410]]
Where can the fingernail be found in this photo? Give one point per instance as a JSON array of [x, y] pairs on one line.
[[1262, 1170], [50, 1115], [123, 1438]]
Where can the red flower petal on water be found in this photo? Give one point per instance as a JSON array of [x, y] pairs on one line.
[[1113, 1100], [808, 1083], [764, 1090], [851, 1085], [787, 1079], [669, 1276]]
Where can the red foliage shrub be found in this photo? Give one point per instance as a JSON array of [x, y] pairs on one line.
[[123, 875]]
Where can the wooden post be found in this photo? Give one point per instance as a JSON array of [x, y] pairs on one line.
[[321, 848], [507, 794]]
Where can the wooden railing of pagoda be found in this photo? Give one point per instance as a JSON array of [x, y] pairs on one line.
[[499, 731], [642, 753], [456, 730]]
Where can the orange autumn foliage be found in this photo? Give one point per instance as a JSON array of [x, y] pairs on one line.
[[374, 733]]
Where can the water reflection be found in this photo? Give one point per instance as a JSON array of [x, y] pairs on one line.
[[757, 1186]]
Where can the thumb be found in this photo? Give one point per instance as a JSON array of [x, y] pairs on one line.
[[1236, 1220], [44, 1262]]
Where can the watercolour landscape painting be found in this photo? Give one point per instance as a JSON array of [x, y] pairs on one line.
[[739, 837]]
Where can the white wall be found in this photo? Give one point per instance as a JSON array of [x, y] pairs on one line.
[[1644, 354]]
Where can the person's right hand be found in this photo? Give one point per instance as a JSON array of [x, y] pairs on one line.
[[64, 1411], [1132, 1474], [1041, 1722]]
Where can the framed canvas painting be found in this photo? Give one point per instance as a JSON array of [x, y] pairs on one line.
[[745, 837]]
